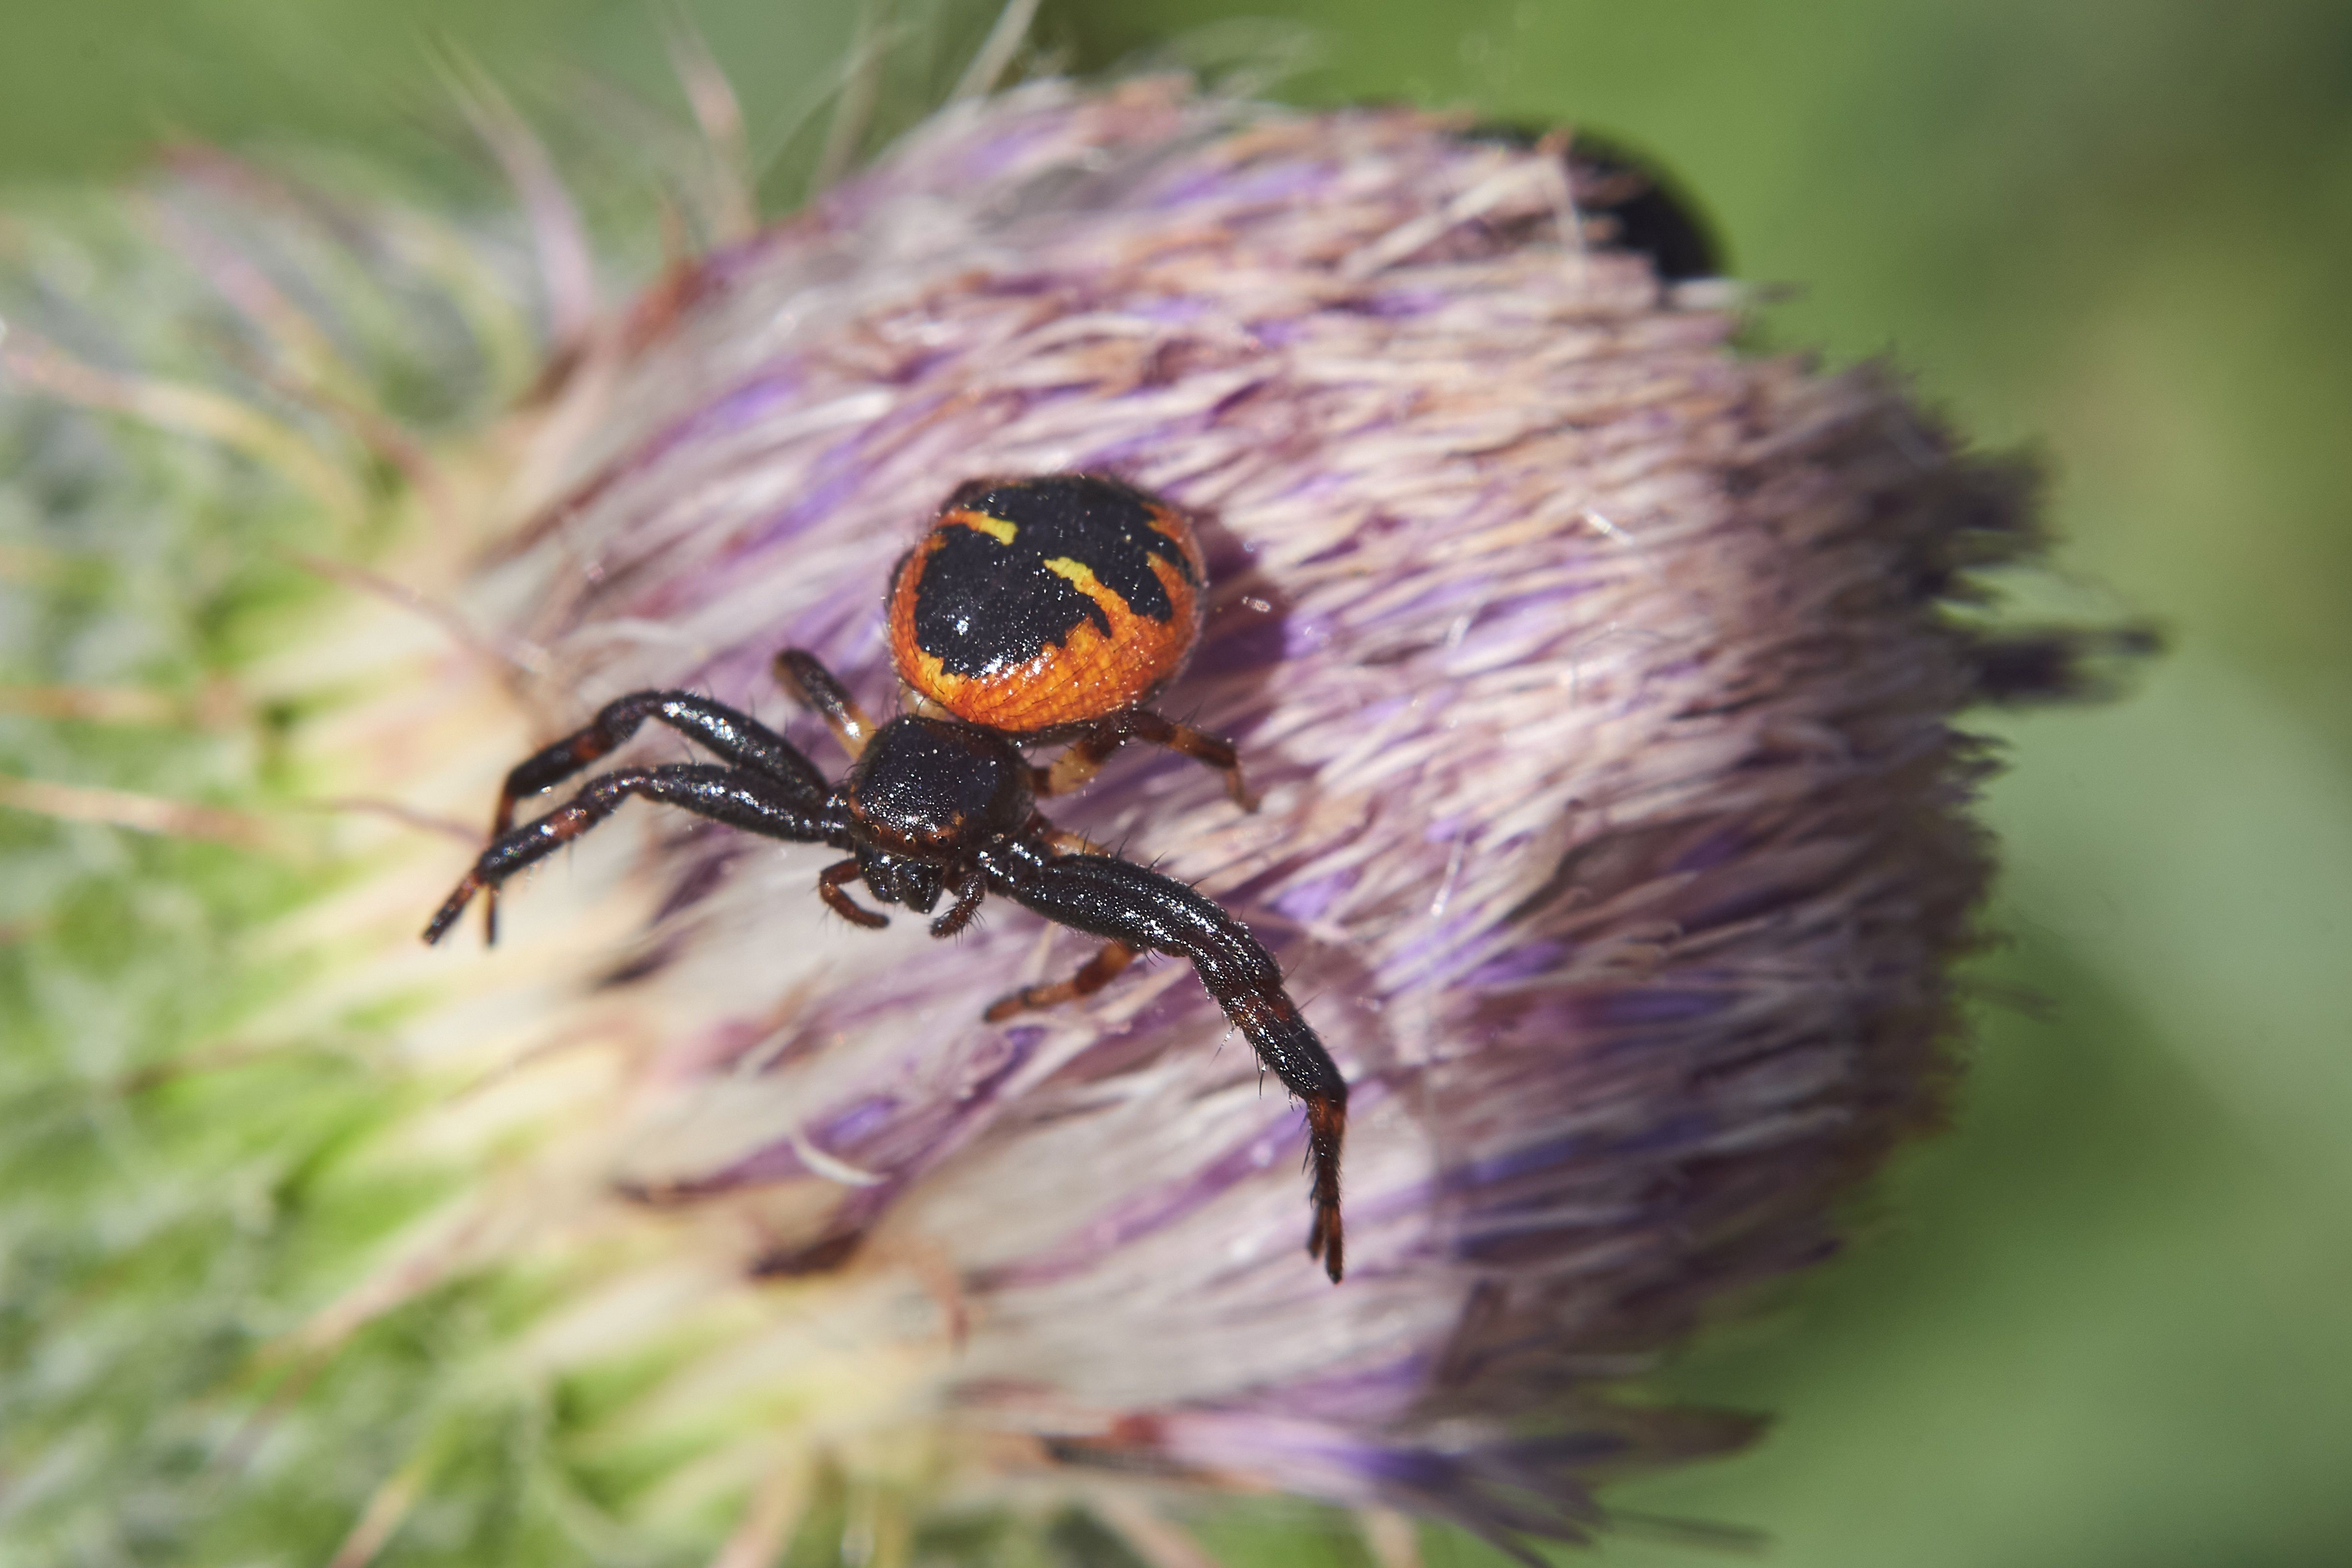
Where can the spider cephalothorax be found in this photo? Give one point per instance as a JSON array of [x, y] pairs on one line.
[[1039, 609]]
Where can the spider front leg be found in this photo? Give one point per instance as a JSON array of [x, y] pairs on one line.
[[1090, 751], [733, 795], [1138, 910], [741, 739]]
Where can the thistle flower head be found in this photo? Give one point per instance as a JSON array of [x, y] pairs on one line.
[[1598, 683]]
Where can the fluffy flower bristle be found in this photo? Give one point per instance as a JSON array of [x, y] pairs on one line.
[[1599, 683]]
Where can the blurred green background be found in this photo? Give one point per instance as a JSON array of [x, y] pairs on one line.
[[2108, 1319]]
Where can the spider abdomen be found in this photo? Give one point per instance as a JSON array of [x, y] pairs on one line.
[[1038, 602]]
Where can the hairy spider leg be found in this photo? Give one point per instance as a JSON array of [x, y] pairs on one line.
[[737, 737], [736, 796], [973, 888], [1090, 751], [814, 687], [1141, 910], [969, 893]]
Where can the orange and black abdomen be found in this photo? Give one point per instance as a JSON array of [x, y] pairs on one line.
[[1038, 602]]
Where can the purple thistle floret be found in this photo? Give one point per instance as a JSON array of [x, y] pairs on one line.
[[1599, 683]]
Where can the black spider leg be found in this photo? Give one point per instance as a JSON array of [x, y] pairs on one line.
[[737, 737], [970, 887], [736, 796], [1141, 910]]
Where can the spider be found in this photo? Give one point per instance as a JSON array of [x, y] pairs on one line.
[[1034, 611]]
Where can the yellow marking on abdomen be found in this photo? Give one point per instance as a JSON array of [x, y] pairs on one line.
[[1081, 576]]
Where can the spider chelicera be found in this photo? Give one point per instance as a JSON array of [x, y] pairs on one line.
[[1034, 611]]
